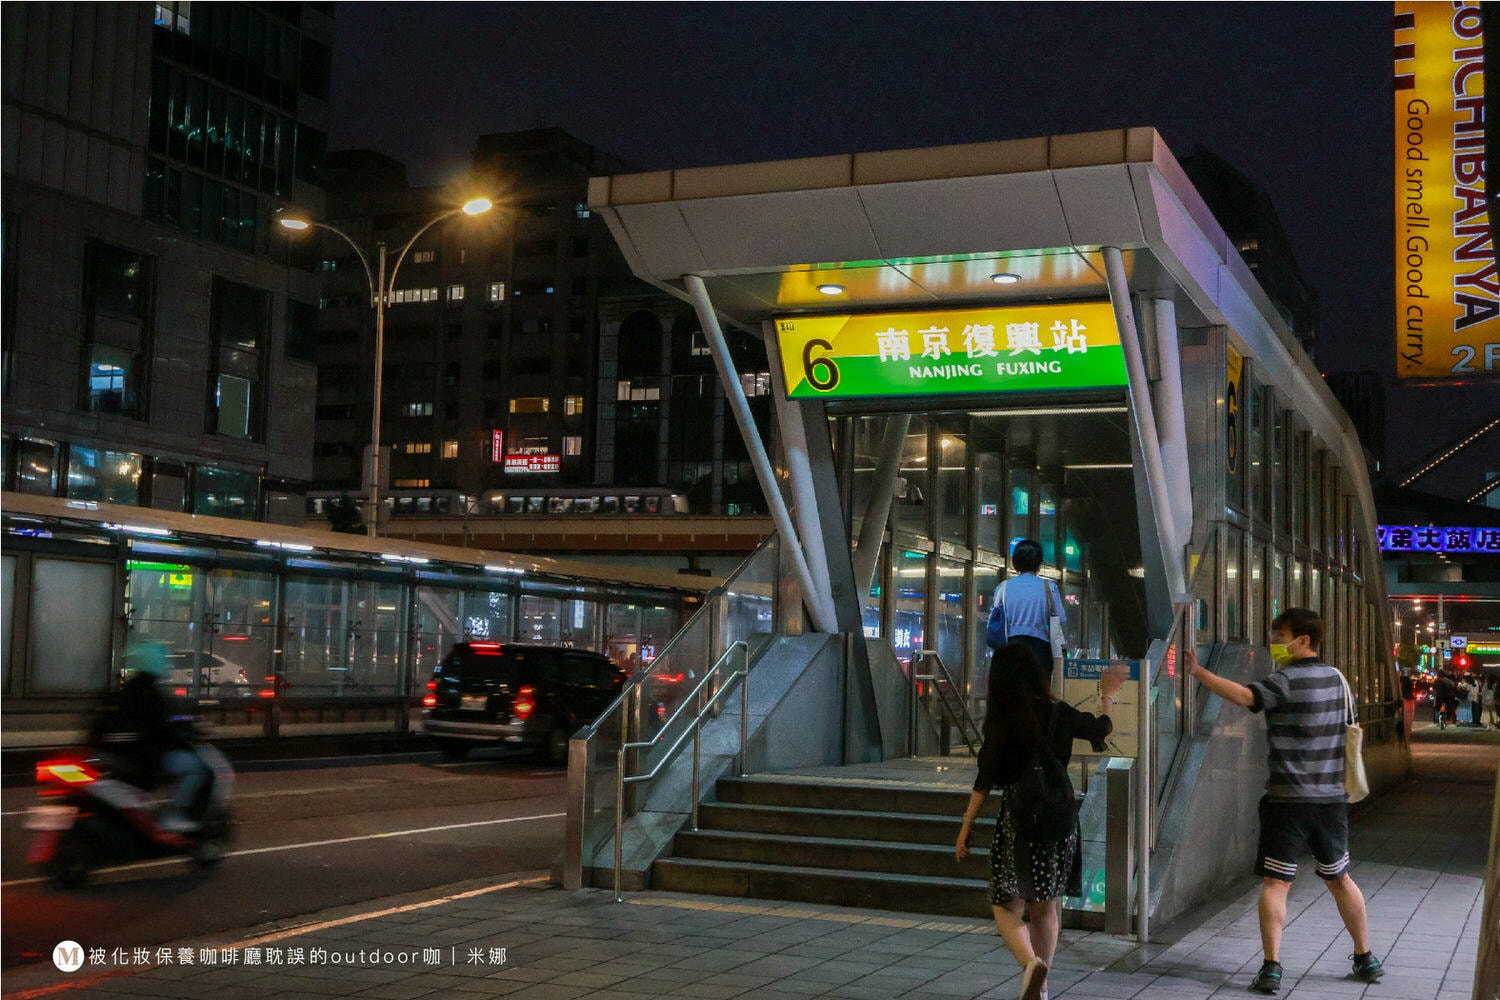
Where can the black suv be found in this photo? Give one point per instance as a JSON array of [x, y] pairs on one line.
[[515, 694]]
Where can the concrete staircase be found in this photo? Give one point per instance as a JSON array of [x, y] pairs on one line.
[[880, 845]]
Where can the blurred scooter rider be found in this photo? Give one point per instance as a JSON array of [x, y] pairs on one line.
[[160, 747]]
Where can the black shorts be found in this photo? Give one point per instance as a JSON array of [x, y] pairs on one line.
[[1289, 828]]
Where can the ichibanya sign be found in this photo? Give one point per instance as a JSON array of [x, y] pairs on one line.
[[1003, 349], [1447, 288]]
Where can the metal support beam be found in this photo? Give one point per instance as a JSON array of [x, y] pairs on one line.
[[735, 394], [878, 511], [1171, 420], [794, 444], [1142, 416]]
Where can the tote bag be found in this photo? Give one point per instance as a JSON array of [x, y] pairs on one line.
[[1054, 629], [1355, 782]]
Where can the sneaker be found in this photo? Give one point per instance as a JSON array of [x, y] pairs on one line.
[[1268, 979], [1367, 968]]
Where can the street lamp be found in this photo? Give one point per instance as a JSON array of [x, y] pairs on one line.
[[380, 293]]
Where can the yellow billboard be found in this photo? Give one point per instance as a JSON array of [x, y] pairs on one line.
[[1447, 289]]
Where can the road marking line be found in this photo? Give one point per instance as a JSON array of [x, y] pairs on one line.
[[311, 843], [286, 933]]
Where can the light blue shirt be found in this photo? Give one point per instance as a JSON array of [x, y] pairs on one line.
[[1024, 599]]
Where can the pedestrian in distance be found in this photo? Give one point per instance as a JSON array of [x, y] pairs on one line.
[[1027, 877], [1487, 702], [1305, 805], [1464, 715], [1022, 608], [1443, 694]]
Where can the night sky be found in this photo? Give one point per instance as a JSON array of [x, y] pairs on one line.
[[1297, 96]]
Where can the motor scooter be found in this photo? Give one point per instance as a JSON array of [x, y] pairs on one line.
[[93, 813]]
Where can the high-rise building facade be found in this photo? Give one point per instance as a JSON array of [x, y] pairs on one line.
[[157, 350], [520, 354]]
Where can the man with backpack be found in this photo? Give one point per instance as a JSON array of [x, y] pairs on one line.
[[1305, 805]]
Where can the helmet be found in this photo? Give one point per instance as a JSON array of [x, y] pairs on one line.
[[148, 658]]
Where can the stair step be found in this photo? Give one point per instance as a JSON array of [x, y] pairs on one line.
[[883, 798], [917, 860], [870, 890], [845, 824]]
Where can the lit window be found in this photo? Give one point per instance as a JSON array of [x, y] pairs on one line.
[[530, 404], [497, 292], [414, 447], [756, 383], [419, 409], [629, 393], [581, 210], [573, 445], [455, 293], [412, 483], [450, 449], [424, 257], [700, 347], [622, 391], [572, 405]]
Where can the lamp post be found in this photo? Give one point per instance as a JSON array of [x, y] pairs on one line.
[[381, 289]]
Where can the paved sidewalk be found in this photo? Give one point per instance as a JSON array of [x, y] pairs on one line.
[[1420, 852]]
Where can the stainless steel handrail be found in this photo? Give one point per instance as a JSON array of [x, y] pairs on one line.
[[621, 780], [962, 713]]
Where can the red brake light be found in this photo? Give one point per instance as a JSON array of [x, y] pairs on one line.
[[267, 693], [525, 702], [432, 685], [68, 771], [669, 678], [429, 701], [180, 692]]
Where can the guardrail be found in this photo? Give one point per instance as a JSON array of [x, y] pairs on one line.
[[950, 703], [694, 729]]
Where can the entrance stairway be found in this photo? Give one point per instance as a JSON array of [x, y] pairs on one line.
[[877, 844]]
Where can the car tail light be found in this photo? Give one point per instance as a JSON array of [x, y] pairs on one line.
[[525, 702], [67, 771], [432, 685], [180, 692], [669, 678], [267, 693], [429, 701]]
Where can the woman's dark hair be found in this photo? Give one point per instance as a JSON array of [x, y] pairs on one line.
[[1026, 556], [1017, 697]]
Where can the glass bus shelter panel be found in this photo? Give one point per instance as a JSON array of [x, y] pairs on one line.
[[166, 603], [241, 635], [438, 618], [377, 613], [7, 612], [72, 606]]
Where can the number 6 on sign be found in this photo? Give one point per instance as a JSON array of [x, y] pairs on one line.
[[822, 372]]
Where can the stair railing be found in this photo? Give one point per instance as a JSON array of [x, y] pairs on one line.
[[741, 676], [952, 709]]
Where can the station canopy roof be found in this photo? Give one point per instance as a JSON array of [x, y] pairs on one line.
[[929, 228]]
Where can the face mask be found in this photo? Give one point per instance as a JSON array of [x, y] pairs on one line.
[[1280, 654]]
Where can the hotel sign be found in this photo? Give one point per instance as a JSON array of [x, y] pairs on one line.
[[1046, 346], [1447, 288], [1426, 538]]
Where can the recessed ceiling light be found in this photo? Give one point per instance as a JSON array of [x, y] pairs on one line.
[[1005, 278], [831, 289]]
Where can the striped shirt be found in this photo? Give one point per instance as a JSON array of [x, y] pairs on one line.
[[1305, 717]]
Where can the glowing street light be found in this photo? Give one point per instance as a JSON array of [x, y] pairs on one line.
[[381, 290]]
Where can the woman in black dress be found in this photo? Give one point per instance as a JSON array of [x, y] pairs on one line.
[[1028, 877]]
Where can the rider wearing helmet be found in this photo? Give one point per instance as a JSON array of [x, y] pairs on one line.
[[158, 743]]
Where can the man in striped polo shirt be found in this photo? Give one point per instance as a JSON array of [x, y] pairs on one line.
[[1305, 805]]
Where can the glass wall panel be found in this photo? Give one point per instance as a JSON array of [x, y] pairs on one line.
[[987, 471], [1279, 422], [1047, 522], [1315, 498], [870, 614], [868, 433], [913, 485], [909, 605], [952, 623], [242, 632], [1234, 583], [1314, 590], [1296, 594], [164, 602], [1072, 552], [580, 622], [540, 619], [1255, 417], [1017, 509], [953, 483], [72, 608], [1298, 486], [36, 467], [986, 579], [1278, 586], [635, 631], [1255, 593]]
